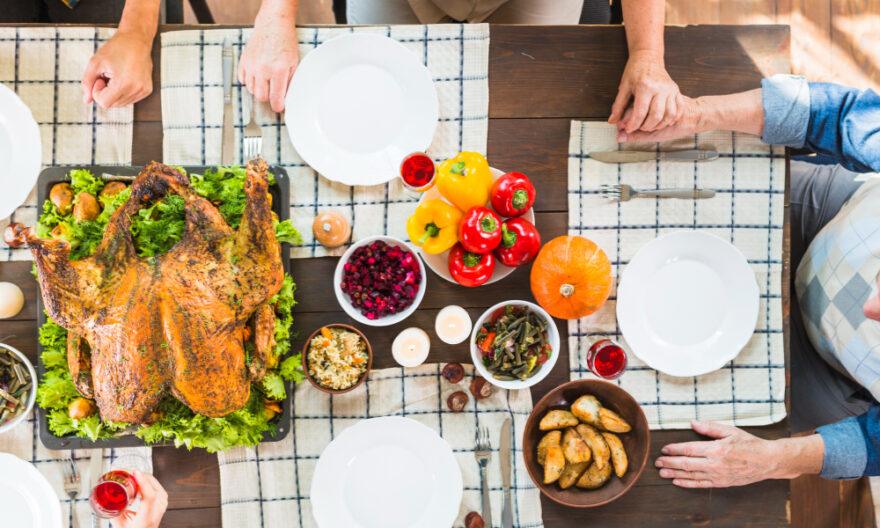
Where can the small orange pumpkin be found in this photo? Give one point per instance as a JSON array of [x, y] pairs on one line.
[[571, 277]]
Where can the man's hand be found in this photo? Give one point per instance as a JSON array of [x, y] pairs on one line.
[[689, 122], [657, 102], [154, 502], [270, 57], [120, 72], [737, 458]]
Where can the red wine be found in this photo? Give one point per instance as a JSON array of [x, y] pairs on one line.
[[607, 359], [417, 171], [113, 493]]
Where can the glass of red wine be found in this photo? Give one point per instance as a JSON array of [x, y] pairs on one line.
[[606, 359], [417, 172], [117, 489]]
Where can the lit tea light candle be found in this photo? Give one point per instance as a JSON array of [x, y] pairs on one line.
[[453, 324], [410, 347]]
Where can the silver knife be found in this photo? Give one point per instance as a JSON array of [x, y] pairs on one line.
[[228, 155], [504, 454], [630, 156]]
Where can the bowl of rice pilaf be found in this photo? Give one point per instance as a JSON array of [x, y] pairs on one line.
[[337, 358]]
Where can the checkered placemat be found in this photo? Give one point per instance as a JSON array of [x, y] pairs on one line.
[[44, 66], [749, 178], [192, 118], [270, 484]]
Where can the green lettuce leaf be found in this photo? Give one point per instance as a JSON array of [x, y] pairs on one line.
[[273, 386]]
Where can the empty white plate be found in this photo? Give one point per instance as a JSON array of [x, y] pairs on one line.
[[20, 151], [687, 303], [357, 105], [389, 472], [26, 497]]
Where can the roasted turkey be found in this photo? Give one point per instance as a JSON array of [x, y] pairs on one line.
[[140, 327]]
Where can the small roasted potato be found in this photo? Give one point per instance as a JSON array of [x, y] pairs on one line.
[[112, 189], [571, 474], [81, 408], [62, 196], [59, 231], [611, 421], [551, 438], [557, 419], [618, 454], [586, 409], [600, 449], [594, 477], [86, 207], [554, 464], [574, 448]]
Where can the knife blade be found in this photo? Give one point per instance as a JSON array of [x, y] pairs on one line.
[[631, 156], [504, 455], [228, 154]]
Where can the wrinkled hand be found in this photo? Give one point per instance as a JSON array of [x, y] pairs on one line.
[[120, 72], [689, 122], [154, 502], [269, 60], [736, 458], [656, 99]]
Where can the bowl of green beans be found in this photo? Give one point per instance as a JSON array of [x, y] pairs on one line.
[[514, 344], [17, 387]]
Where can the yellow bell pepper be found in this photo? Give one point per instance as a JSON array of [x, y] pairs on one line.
[[434, 226], [465, 180]]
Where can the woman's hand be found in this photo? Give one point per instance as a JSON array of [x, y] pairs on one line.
[[737, 458], [120, 72], [689, 122], [270, 57], [657, 102], [154, 502]]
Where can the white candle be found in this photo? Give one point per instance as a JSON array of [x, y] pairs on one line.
[[453, 324], [410, 347]]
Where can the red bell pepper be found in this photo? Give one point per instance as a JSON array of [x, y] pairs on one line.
[[520, 242], [470, 269], [512, 194], [480, 230]]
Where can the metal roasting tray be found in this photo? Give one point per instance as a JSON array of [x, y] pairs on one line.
[[52, 175]]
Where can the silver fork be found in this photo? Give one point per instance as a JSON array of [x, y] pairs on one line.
[[483, 452], [71, 487], [253, 137], [624, 193]]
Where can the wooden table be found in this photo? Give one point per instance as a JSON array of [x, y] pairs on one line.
[[540, 78]]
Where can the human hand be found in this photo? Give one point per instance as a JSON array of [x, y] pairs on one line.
[[154, 502], [269, 60], [120, 72], [656, 98], [690, 121]]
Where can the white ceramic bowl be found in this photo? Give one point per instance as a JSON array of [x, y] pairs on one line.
[[345, 301], [552, 334], [32, 395]]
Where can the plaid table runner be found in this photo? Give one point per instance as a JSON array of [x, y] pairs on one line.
[[270, 484], [749, 178], [44, 67], [192, 118]]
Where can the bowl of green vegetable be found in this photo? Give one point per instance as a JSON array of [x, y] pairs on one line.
[[514, 344]]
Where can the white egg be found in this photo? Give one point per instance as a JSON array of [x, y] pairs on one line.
[[11, 300]]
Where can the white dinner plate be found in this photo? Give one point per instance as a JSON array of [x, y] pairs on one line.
[[687, 303], [440, 261], [26, 497], [389, 472], [357, 105], [20, 151]]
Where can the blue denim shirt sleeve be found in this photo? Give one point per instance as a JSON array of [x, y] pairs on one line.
[[846, 455], [840, 122]]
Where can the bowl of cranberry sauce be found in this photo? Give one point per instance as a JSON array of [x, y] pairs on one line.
[[379, 281]]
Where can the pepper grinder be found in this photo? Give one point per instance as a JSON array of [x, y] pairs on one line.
[[331, 229]]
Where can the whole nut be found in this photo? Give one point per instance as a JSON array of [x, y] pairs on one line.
[[11, 234], [474, 520], [453, 372], [456, 401], [481, 388]]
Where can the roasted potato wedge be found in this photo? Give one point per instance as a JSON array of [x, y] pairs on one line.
[[551, 438], [554, 464], [574, 448], [571, 474], [600, 449], [557, 419], [594, 477], [611, 421], [618, 454], [586, 409]]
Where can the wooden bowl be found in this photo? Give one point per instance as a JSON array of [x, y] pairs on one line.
[[637, 442], [305, 360]]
